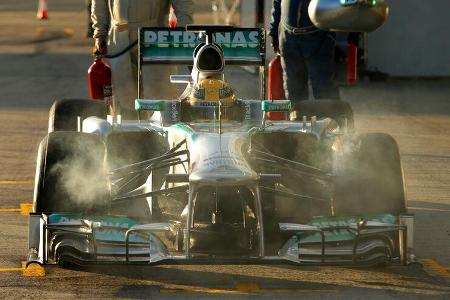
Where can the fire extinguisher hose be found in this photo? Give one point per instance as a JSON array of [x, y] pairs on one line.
[[128, 48]]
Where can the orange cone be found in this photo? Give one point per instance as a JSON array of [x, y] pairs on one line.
[[42, 12]]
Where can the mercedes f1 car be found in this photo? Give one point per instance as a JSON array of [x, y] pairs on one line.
[[209, 177]]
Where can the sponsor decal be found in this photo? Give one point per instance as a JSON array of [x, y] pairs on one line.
[[175, 112], [107, 90], [166, 45], [107, 96], [105, 234], [185, 39], [247, 111]]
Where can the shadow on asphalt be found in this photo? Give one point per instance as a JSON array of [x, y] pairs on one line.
[[400, 96], [395, 279], [431, 206]]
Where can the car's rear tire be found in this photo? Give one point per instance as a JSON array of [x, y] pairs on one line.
[[369, 180], [125, 148], [335, 109], [70, 174], [297, 147], [64, 113], [133, 146]]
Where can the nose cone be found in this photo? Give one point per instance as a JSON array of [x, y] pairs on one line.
[[226, 174], [220, 161]]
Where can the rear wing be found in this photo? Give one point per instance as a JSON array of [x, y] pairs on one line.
[[241, 46]]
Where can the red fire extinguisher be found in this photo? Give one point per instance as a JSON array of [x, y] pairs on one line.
[[352, 57], [99, 77], [352, 62], [275, 86]]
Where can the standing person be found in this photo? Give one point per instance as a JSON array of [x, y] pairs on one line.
[[116, 24], [90, 30], [306, 51]]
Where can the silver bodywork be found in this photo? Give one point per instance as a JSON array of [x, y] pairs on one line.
[[203, 160], [215, 160]]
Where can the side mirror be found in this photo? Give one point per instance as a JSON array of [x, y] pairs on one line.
[[276, 106], [348, 15], [150, 105]]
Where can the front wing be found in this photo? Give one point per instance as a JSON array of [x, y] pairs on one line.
[[368, 240]]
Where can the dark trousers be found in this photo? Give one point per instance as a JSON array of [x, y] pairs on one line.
[[308, 56]]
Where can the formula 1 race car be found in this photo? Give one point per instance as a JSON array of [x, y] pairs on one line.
[[209, 178]]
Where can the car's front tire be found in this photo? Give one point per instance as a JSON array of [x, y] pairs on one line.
[[369, 176], [70, 174]]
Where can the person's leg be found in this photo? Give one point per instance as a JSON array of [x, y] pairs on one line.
[[90, 30], [321, 66], [295, 76], [123, 71]]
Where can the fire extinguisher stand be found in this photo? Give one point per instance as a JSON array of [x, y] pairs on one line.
[[352, 57], [352, 62]]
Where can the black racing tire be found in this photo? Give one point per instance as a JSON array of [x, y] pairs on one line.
[[335, 109], [70, 174], [133, 146], [369, 180], [289, 145], [64, 113], [298, 147]]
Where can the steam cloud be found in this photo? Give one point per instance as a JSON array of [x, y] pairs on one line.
[[81, 175]]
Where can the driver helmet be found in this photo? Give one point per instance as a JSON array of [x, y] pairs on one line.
[[211, 90], [206, 95]]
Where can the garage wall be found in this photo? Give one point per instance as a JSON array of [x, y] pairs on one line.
[[414, 41]]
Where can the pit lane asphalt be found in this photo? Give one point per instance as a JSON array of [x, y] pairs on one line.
[[34, 71]]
